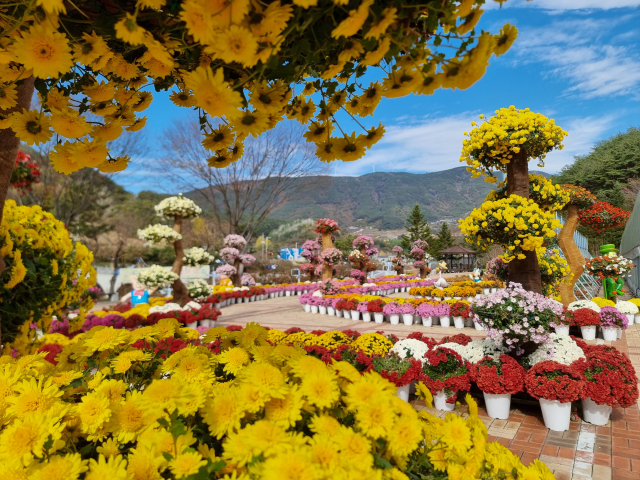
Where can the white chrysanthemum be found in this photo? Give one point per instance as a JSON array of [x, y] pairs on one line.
[[197, 256], [476, 350], [410, 347], [199, 289], [583, 304], [178, 206], [157, 277], [157, 234], [627, 308], [562, 349]]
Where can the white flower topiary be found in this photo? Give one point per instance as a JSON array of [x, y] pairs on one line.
[[196, 256], [199, 289], [157, 277], [157, 234], [178, 206]]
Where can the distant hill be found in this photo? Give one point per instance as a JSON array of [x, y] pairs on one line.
[[385, 199]]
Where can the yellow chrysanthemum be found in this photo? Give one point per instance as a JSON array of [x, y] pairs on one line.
[[25, 438], [106, 338], [94, 412], [31, 127], [186, 464], [68, 467], [212, 93], [18, 270], [67, 123], [43, 50], [114, 468], [320, 388], [234, 360]]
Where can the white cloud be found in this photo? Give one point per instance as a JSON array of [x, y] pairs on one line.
[[562, 5], [434, 144], [575, 50]]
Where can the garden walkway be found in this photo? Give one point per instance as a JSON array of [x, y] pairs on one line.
[[584, 452]]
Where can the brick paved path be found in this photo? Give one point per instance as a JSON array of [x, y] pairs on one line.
[[611, 452]]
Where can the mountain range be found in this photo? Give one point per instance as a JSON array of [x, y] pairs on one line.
[[385, 199]]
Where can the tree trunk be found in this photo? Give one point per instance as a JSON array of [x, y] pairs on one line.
[[527, 270], [180, 292], [237, 278], [572, 254], [9, 144], [114, 277], [327, 270]]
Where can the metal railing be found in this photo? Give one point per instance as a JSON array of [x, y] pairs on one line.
[[586, 287]]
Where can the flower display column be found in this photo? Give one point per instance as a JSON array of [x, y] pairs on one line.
[[418, 253], [310, 250], [233, 245], [179, 209], [398, 264], [359, 258], [326, 227]]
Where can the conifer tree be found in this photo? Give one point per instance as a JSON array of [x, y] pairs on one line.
[[418, 229], [442, 240]]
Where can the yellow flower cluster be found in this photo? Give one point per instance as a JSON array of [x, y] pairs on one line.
[[245, 66], [553, 269], [494, 143], [46, 270], [548, 196], [252, 411], [603, 302], [516, 223]]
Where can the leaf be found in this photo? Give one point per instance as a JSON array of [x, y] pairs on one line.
[[382, 462], [167, 456]]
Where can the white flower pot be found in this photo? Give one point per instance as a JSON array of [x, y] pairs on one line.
[[435, 320], [355, 315], [637, 318], [288, 293], [245, 300], [192, 325], [366, 317], [307, 308], [217, 305], [478, 326], [458, 322], [346, 313], [498, 405], [594, 413], [314, 309], [440, 401], [468, 322], [426, 321], [445, 321], [619, 332], [395, 290], [407, 318], [610, 333], [403, 392], [322, 309], [630, 317], [207, 323], [588, 332], [458, 298], [562, 330], [339, 313], [556, 415], [378, 317], [494, 290], [394, 319], [331, 310], [486, 291]]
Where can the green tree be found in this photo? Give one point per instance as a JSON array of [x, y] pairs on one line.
[[442, 240], [418, 229], [345, 243]]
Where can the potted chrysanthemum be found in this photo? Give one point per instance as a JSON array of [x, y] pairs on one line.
[[407, 310], [336, 303], [562, 323], [364, 310], [612, 323], [555, 386], [392, 309], [498, 378], [424, 310], [376, 307], [445, 373], [627, 308], [587, 320], [459, 311], [402, 372]]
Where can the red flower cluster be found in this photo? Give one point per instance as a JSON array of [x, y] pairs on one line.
[[350, 304], [553, 381], [460, 309], [326, 225], [52, 349], [375, 306], [419, 336], [583, 317], [460, 338], [445, 370], [579, 196], [495, 377], [25, 173], [414, 373], [609, 376], [602, 216]]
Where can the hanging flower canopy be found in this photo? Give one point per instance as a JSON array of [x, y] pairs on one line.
[[243, 65]]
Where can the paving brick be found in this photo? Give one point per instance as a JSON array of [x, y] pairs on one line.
[[588, 428], [619, 474], [550, 450], [562, 475], [499, 423], [566, 453], [603, 460], [586, 457], [504, 441], [621, 462], [582, 468], [635, 465], [516, 452], [620, 442], [565, 462], [529, 420], [526, 447], [601, 472], [538, 438], [523, 436], [528, 458], [603, 430], [513, 424], [633, 443]]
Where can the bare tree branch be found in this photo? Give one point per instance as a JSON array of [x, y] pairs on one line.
[[274, 167]]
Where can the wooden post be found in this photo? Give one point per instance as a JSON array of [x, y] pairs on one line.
[[527, 270], [572, 254], [327, 270], [180, 292]]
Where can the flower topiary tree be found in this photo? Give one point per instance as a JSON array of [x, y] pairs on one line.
[[329, 256], [232, 254], [420, 257], [506, 142], [310, 251], [179, 209], [398, 261], [360, 258], [46, 270], [251, 63]]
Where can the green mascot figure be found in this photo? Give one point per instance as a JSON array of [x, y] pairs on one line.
[[612, 285]]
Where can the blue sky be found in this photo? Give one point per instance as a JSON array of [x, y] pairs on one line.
[[573, 61]]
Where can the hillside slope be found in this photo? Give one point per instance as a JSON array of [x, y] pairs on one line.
[[385, 199]]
